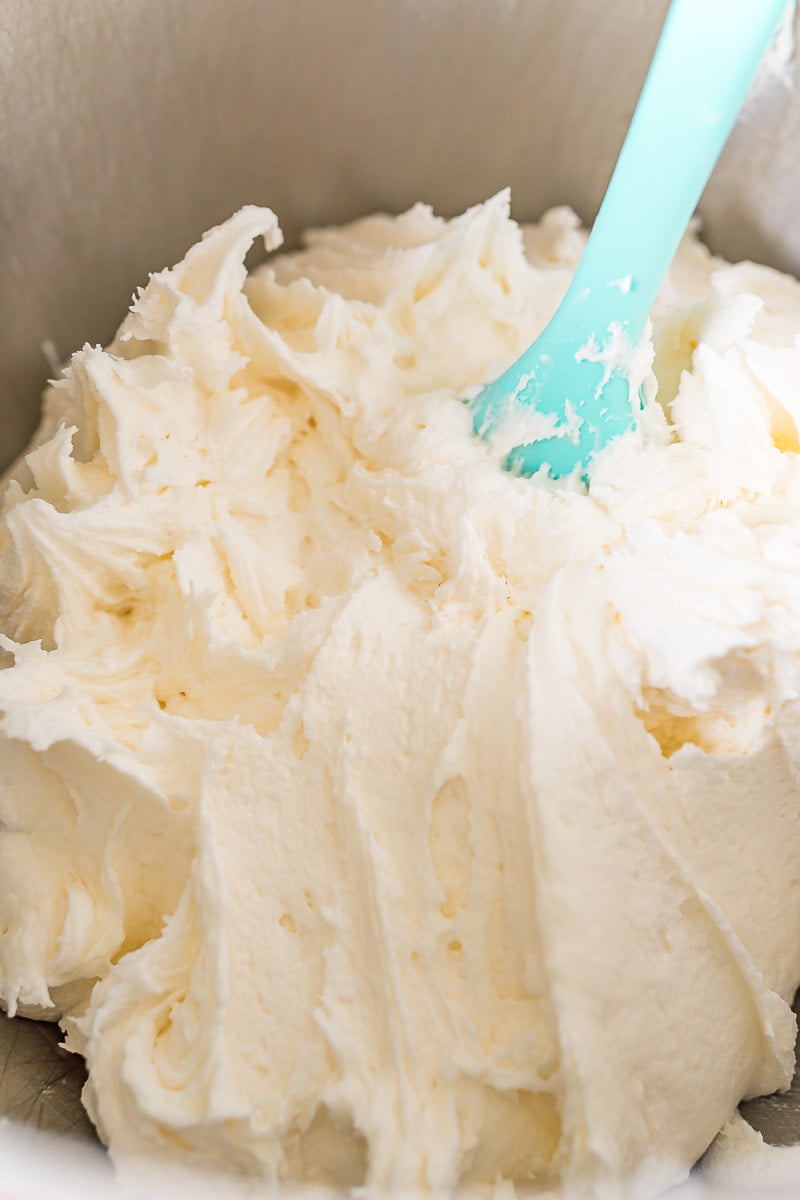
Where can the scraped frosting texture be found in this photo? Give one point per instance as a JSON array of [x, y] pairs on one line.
[[370, 814]]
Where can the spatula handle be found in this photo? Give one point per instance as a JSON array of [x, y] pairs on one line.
[[705, 61]]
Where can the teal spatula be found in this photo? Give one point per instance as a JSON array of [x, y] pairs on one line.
[[705, 60]]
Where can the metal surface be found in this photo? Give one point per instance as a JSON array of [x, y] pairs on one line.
[[777, 1118], [40, 1084], [129, 126]]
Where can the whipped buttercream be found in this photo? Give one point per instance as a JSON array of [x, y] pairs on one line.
[[370, 814]]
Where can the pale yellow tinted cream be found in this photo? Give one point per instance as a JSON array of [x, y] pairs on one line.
[[369, 814]]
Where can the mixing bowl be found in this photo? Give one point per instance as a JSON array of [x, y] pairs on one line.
[[127, 127]]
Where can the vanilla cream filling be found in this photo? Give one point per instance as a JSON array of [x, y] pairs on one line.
[[369, 814]]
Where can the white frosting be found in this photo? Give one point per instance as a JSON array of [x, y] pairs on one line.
[[741, 1163], [421, 823]]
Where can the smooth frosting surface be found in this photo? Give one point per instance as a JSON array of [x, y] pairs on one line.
[[370, 814]]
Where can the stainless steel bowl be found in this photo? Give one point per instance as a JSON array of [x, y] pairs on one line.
[[127, 127]]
